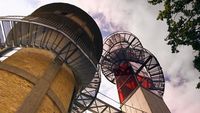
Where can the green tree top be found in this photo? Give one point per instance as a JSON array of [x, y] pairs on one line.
[[183, 20]]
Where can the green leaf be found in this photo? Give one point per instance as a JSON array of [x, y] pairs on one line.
[[183, 20]]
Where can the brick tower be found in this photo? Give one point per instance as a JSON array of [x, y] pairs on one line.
[[59, 46]]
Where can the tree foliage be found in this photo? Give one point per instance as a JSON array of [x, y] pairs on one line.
[[183, 20]]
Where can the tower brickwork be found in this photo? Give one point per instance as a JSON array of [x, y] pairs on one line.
[[60, 46]]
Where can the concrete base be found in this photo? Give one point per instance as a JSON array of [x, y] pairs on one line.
[[144, 101]]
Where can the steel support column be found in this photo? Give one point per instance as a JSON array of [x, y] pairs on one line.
[[35, 97]]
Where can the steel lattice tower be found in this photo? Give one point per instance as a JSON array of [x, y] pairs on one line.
[[136, 72]]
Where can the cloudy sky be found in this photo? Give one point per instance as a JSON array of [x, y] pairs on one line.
[[138, 17]]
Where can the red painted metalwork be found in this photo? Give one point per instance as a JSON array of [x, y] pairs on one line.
[[145, 81], [127, 64], [126, 82]]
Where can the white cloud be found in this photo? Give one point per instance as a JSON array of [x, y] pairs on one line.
[[17, 7], [139, 18]]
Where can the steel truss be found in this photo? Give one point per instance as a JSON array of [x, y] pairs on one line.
[[125, 47], [99, 106]]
